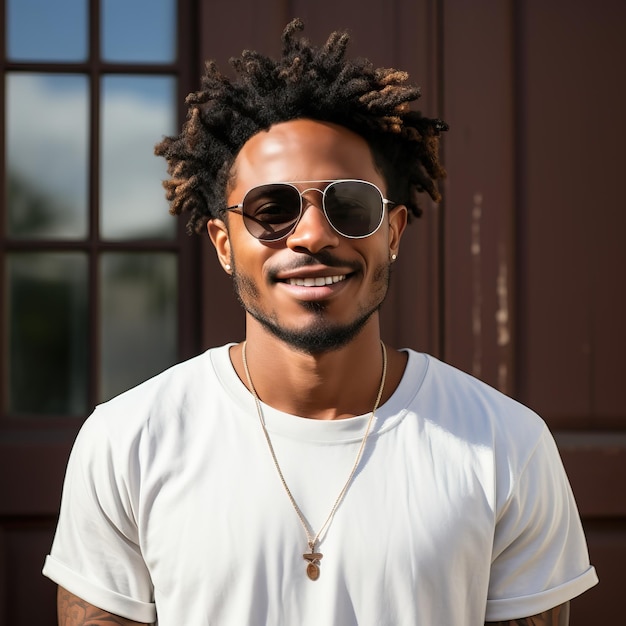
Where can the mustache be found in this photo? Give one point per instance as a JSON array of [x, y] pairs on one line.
[[322, 257]]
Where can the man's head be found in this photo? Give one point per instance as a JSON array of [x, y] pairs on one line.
[[275, 160], [313, 287], [305, 82]]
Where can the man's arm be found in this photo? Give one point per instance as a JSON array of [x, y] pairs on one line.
[[72, 611], [558, 616]]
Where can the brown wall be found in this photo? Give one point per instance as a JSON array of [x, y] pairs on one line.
[[518, 276]]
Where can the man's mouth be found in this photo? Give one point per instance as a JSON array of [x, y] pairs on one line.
[[317, 281]]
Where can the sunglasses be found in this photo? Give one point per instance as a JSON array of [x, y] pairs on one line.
[[354, 208]]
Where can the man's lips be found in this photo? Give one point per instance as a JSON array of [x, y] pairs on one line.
[[314, 288], [320, 270], [315, 281]]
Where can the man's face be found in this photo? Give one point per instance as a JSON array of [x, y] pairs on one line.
[[272, 280]]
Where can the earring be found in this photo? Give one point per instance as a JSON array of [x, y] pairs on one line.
[[227, 267], [394, 257]]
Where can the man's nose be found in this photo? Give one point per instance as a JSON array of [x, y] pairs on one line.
[[313, 232]]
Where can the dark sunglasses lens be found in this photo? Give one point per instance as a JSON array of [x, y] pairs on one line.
[[270, 211], [354, 208]]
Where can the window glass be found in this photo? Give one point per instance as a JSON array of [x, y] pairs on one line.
[[139, 31], [136, 112], [47, 155], [138, 313], [47, 30], [47, 328]]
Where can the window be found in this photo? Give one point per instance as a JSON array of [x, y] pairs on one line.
[[93, 267]]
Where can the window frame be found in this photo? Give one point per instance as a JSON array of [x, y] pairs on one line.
[[185, 70]]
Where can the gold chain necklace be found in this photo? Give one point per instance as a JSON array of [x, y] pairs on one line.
[[312, 557]]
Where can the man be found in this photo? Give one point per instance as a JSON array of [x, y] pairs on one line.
[[311, 474]]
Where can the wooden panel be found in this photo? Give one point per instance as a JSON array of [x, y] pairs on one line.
[[26, 597], [596, 467], [229, 27], [31, 477], [572, 219], [479, 203], [607, 548]]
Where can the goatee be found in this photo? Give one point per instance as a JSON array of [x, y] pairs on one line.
[[319, 336]]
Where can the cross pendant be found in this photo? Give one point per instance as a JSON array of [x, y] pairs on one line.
[[313, 567]]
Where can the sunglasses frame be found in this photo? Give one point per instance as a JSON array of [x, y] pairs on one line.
[[238, 208]]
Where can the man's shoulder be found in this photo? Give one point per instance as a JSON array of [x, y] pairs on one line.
[[455, 382], [151, 426], [180, 378], [165, 396], [463, 403]]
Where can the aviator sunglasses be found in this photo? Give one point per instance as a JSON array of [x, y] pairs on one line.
[[354, 208]]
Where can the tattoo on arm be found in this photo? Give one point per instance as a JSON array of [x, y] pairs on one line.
[[558, 616], [72, 611]]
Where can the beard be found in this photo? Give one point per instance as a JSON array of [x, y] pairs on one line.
[[320, 335]]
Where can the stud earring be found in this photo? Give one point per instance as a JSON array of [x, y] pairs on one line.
[[227, 267], [394, 257]]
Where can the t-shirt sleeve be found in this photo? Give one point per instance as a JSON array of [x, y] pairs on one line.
[[540, 557], [96, 553]]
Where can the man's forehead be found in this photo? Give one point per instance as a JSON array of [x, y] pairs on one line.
[[299, 133], [290, 150]]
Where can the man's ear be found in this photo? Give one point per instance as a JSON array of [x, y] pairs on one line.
[[218, 232], [398, 218]]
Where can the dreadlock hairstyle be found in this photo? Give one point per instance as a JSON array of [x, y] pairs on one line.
[[306, 82]]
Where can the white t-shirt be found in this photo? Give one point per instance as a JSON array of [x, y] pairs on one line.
[[460, 511]]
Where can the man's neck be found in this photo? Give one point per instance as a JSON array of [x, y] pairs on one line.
[[333, 385]]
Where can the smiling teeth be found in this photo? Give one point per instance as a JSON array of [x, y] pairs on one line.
[[319, 281]]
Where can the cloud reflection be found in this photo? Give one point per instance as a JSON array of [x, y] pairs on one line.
[[47, 149]]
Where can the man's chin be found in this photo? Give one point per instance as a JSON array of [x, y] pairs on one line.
[[317, 337]]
